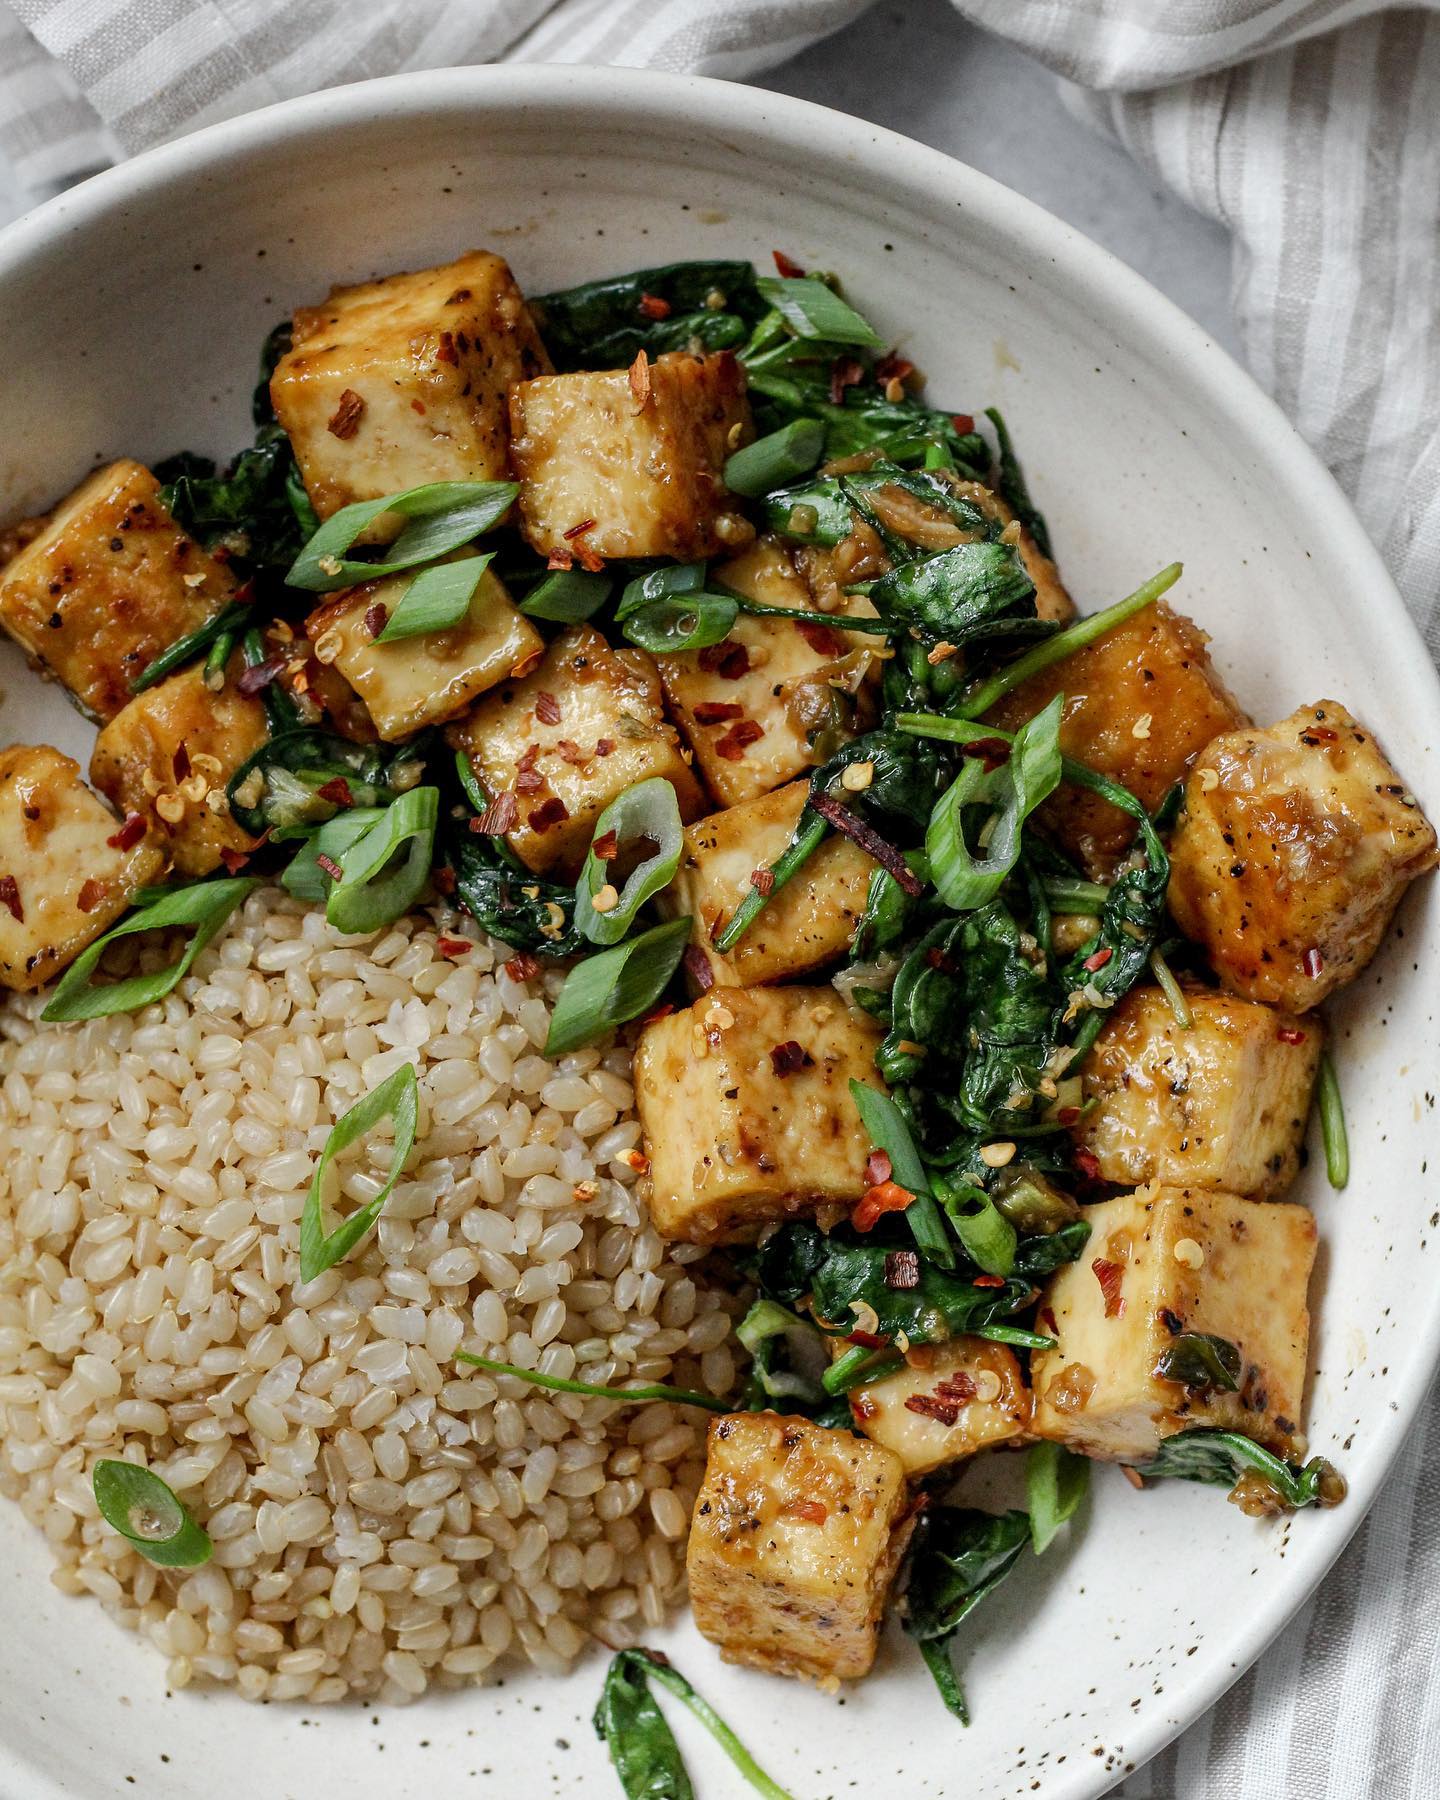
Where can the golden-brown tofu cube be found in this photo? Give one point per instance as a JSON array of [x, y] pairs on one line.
[[746, 1107], [638, 454], [1161, 1262], [1220, 1105], [772, 698], [393, 383], [419, 681], [168, 756], [108, 583], [1141, 703], [795, 1540], [65, 873], [809, 921], [569, 738], [949, 1401], [1292, 852]]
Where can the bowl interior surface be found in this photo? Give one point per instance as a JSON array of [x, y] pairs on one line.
[[131, 313]]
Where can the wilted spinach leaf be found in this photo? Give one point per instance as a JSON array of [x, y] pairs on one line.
[[521, 909], [604, 324], [957, 1557], [963, 595], [1198, 1359], [1226, 1458]]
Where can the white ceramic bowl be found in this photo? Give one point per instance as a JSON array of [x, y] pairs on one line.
[[130, 315]]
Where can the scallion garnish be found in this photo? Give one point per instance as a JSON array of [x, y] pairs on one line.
[[887, 1130], [771, 461], [647, 813], [558, 1384], [146, 1511], [567, 596], [1332, 1123], [1056, 1481], [377, 882], [614, 986], [397, 1097], [222, 624], [306, 876], [442, 516], [988, 1236], [659, 584], [437, 599], [814, 310], [678, 622], [204, 907]]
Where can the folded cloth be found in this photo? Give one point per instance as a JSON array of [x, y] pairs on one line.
[[1311, 129]]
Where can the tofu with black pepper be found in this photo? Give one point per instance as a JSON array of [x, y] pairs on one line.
[[107, 583], [630, 462], [394, 383], [423, 680], [1220, 1104], [1141, 703], [168, 756], [949, 1401], [68, 867], [745, 1102], [776, 696], [1292, 851], [566, 740], [809, 921], [797, 1533], [1163, 1264]]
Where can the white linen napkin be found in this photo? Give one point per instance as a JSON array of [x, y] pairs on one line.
[[1311, 128]]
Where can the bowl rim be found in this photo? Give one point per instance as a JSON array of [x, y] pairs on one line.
[[780, 125]]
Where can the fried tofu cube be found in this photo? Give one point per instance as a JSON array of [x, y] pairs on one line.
[[1141, 703], [398, 382], [1220, 1105], [569, 738], [797, 1533], [1161, 1262], [65, 873], [747, 1112], [949, 1401], [809, 921], [638, 453], [107, 584], [769, 701], [168, 756], [423, 680], [1292, 852]]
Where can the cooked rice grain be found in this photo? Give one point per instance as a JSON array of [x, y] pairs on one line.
[[383, 1518]]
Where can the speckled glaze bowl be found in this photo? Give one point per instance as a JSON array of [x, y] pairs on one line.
[[130, 314]]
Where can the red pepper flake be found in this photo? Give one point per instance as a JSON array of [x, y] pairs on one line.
[[697, 967], [591, 561], [1088, 1164], [234, 860], [528, 781], [10, 898], [787, 265], [1097, 960], [255, 680], [893, 367], [963, 423], [639, 379], [571, 752], [498, 817], [652, 306], [845, 372], [1068, 1116], [453, 946], [716, 712], [726, 659], [902, 1269], [936, 958], [878, 1168], [862, 1410], [90, 896], [579, 530], [376, 619], [988, 1281], [763, 881], [547, 708], [1289, 1034], [523, 967], [330, 866], [994, 750], [1314, 963], [443, 880], [1046, 1319], [867, 1340], [336, 791], [732, 745], [662, 1011], [180, 763], [822, 639], [1110, 1275], [870, 841], [813, 1512], [243, 594], [607, 847], [550, 812], [603, 746], [447, 352], [884, 1197], [789, 1058], [560, 559], [345, 420]]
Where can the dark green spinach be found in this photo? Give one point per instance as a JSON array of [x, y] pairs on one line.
[[957, 1557]]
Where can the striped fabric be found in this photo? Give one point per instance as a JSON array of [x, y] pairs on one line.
[[1310, 128]]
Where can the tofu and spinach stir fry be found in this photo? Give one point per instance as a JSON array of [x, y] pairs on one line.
[[973, 949]]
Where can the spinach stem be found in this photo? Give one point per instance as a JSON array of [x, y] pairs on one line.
[[789, 863], [1332, 1124], [859, 1363], [1067, 895], [676, 1683], [1174, 993], [557, 1384]]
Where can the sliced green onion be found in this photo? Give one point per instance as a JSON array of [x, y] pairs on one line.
[[1056, 1481], [888, 1131], [442, 516], [1013, 1334], [660, 584], [397, 1098], [146, 1511], [614, 986], [437, 599], [771, 461], [567, 596], [987, 1235], [187, 648], [938, 456], [1332, 1123], [647, 811], [785, 867], [681, 622], [559, 1385], [374, 888], [1066, 643], [205, 906], [857, 1365], [305, 876], [1010, 791], [1172, 990], [813, 310]]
